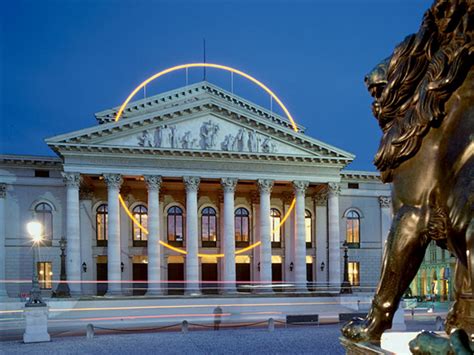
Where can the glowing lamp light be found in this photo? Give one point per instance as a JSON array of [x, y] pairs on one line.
[[35, 230]]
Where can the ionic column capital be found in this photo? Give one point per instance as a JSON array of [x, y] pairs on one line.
[[299, 187], [334, 189], [71, 179], [191, 183], [229, 184], [385, 201], [113, 181], [265, 185], [3, 190], [153, 182]]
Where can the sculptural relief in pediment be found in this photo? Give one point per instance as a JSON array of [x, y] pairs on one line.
[[207, 137]]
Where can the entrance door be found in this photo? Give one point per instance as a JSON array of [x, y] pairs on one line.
[[309, 277], [242, 275], [209, 275], [140, 273], [277, 277], [175, 278], [102, 275]]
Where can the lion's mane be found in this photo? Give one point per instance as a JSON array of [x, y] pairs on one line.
[[422, 73]]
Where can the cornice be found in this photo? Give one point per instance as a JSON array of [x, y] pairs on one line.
[[204, 88], [65, 148], [354, 175], [31, 161]]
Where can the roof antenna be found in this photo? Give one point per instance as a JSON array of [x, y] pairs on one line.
[[204, 56]]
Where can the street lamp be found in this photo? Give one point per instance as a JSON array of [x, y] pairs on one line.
[[346, 285], [63, 288], [35, 230]]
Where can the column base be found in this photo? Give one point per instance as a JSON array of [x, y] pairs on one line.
[[229, 291], [155, 293], [193, 293], [113, 293]]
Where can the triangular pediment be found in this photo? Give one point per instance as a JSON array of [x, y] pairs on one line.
[[199, 118]]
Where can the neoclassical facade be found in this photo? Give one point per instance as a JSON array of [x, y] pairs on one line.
[[193, 190]]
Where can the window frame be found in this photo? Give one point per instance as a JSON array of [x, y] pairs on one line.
[[275, 244], [41, 216], [44, 272], [211, 215], [142, 241], [352, 239], [102, 210], [239, 226], [308, 216], [351, 270], [174, 242]]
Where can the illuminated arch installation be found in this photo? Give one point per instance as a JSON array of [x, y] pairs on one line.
[[215, 66]]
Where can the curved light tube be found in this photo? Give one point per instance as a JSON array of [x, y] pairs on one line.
[[216, 66]]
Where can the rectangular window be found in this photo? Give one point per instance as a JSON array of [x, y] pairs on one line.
[[42, 173], [354, 272], [45, 274], [353, 185], [307, 222]]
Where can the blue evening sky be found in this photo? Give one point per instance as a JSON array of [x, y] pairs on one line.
[[62, 61]]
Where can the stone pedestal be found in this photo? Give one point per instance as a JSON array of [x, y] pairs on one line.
[[36, 330], [398, 322]]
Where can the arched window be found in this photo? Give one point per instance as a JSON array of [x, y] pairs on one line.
[[101, 225], [275, 221], [209, 227], [140, 213], [353, 229], [175, 226], [241, 221], [308, 224], [44, 215]]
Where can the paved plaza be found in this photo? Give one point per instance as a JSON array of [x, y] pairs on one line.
[[323, 339], [301, 340]]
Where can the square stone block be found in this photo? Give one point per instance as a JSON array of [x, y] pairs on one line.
[[36, 324]]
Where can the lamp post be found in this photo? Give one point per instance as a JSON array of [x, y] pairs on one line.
[[346, 285], [63, 288], [35, 230]]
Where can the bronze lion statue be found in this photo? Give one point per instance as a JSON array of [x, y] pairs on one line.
[[424, 103]]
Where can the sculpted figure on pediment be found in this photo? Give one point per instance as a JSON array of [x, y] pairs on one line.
[[268, 146], [145, 140], [253, 141], [187, 142], [208, 133], [228, 143], [166, 137]]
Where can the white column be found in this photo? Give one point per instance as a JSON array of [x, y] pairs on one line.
[[154, 262], [321, 202], [385, 218], [289, 239], [73, 251], [334, 237], [265, 187], [87, 236], [299, 188], [3, 264], [228, 185], [192, 247], [113, 181]]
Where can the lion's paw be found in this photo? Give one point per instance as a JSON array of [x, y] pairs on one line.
[[356, 330]]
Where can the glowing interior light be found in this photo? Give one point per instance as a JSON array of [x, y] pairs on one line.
[[215, 66]]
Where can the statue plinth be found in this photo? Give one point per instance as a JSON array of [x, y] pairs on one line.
[[36, 330]]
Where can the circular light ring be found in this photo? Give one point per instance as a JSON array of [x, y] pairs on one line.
[[215, 66]]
